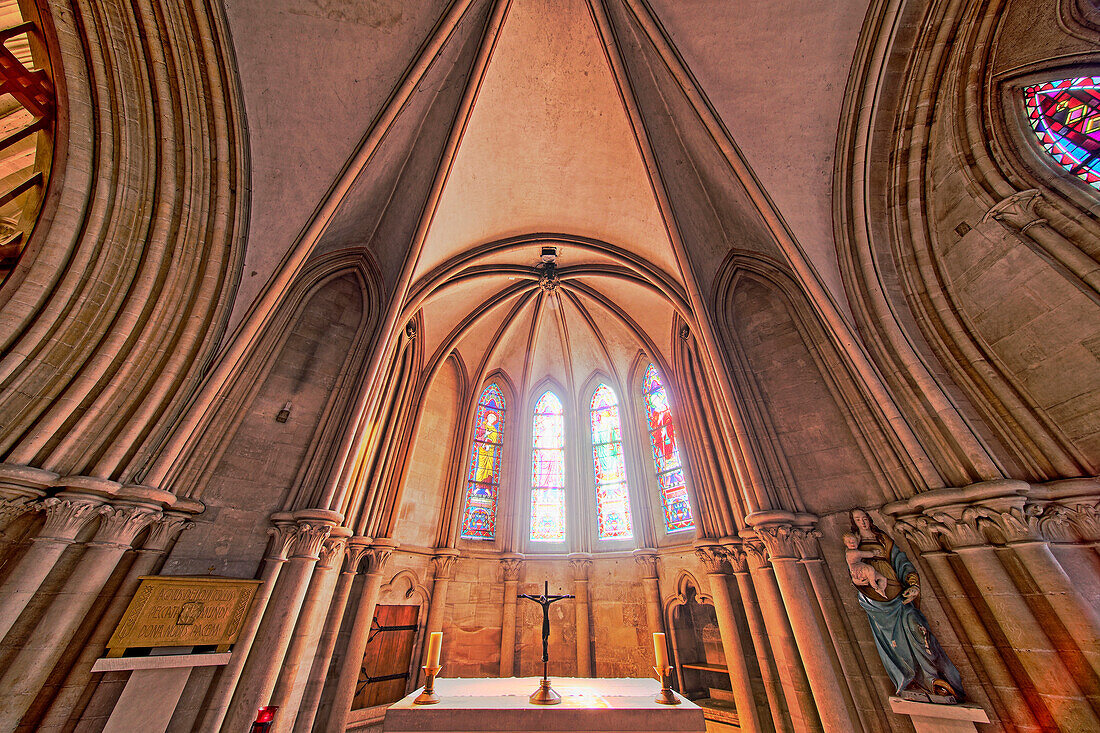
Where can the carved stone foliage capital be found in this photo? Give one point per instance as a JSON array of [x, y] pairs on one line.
[[164, 531], [1085, 519], [580, 567], [1055, 523], [957, 532], [118, 526], [921, 532], [443, 565], [510, 568], [648, 564], [12, 509], [308, 539], [66, 517], [756, 554], [714, 559], [806, 540], [376, 558], [1017, 212], [738, 558], [282, 535], [356, 551], [332, 552], [782, 540]]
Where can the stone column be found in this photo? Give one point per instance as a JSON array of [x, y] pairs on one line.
[[646, 559], [792, 674], [834, 703], [376, 558], [261, 671], [66, 514], [78, 688], [24, 677], [959, 526], [307, 632], [581, 563], [225, 683], [318, 673], [777, 705], [718, 569], [1003, 689], [510, 568], [442, 569]]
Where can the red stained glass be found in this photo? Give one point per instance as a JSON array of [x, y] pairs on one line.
[[548, 471], [666, 455], [1065, 116]]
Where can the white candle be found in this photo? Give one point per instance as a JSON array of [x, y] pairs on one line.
[[435, 644], [659, 652]]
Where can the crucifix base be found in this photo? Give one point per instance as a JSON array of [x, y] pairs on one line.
[[545, 695]]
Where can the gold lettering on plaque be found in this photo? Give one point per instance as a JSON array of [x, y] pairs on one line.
[[184, 611]]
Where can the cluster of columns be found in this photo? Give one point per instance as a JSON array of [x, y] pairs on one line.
[[284, 653], [780, 624], [1019, 569], [72, 506]]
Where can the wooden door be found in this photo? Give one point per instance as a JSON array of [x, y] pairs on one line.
[[385, 670]]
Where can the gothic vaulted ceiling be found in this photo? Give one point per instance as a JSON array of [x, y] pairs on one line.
[[570, 117]]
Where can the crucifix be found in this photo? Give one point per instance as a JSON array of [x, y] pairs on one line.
[[545, 695]]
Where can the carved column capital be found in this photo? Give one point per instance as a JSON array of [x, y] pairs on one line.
[[164, 531], [1085, 520], [647, 561], [282, 535], [356, 550], [713, 558], [510, 568], [806, 540], [755, 553], [921, 532], [1017, 212], [309, 538], [66, 517], [580, 564], [782, 540], [377, 555], [443, 564], [118, 526], [1055, 522], [15, 507], [332, 552], [957, 532]]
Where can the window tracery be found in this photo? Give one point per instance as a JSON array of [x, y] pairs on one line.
[[613, 520], [483, 475], [548, 471], [666, 454], [1065, 116]]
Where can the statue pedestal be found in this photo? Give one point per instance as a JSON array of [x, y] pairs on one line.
[[931, 718]]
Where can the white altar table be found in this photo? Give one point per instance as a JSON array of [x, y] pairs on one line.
[[500, 705]]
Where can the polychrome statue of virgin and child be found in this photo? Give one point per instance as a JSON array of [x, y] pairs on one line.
[[888, 588]]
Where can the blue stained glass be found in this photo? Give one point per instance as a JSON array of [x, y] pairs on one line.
[[548, 471], [1065, 116], [612, 496], [666, 454], [483, 475]]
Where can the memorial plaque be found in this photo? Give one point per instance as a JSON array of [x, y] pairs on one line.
[[184, 611]]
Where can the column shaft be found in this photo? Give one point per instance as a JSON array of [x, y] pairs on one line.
[[508, 629], [261, 671], [584, 630], [736, 662], [318, 673], [353, 659], [303, 645], [772, 686]]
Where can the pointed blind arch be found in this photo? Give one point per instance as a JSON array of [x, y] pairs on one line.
[[483, 475], [1065, 116], [666, 454], [612, 497], [548, 471]]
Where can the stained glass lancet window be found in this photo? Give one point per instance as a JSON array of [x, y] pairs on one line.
[[612, 498], [548, 471], [666, 456], [483, 476], [1065, 115]]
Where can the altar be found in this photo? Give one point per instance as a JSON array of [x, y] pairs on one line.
[[500, 705]]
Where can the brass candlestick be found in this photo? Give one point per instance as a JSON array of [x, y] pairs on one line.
[[666, 696], [428, 696]]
